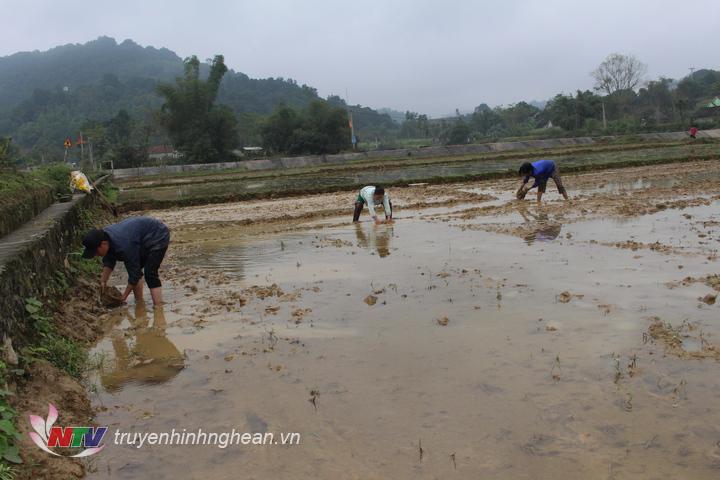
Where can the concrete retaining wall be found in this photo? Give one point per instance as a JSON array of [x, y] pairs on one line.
[[30, 258], [435, 151]]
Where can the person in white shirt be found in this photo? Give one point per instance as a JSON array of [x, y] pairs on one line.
[[373, 195]]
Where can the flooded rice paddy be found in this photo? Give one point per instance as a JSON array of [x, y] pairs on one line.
[[477, 337], [195, 187]]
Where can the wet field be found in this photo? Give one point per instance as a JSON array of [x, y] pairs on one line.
[[477, 337], [194, 188]]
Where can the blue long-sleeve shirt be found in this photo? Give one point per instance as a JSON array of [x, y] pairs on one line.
[[542, 171], [130, 242]]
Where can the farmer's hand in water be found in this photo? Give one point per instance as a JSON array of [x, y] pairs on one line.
[[127, 291], [389, 220], [103, 285]]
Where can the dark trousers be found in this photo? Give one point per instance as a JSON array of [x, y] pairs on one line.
[[151, 264], [358, 209]]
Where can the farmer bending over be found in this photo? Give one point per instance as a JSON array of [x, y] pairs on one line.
[[373, 195], [541, 171], [139, 242]]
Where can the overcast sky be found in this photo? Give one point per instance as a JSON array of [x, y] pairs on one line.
[[426, 56]]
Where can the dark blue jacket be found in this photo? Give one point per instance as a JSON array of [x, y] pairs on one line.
[[130, 242]]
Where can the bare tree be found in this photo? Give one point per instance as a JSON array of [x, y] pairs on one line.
[[618, 72]]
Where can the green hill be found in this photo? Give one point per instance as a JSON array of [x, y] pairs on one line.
[[76, 65], [48, 96]]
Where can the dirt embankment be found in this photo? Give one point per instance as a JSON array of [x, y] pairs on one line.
[[52, 313], [78, 318]]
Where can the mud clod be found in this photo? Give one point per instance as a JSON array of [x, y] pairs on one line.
[[709, 299], [370, 300], [111, 297], [674, 340]]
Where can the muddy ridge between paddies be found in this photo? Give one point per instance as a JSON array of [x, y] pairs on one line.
[[192, 189], [477, 337]]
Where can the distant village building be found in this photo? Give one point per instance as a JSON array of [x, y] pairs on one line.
[[709, 109], [248, 152], [163, 152]]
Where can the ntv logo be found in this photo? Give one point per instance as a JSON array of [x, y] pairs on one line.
[[47, 436]]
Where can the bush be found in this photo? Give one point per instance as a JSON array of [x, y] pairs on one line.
[[8, 433], [64, 353]]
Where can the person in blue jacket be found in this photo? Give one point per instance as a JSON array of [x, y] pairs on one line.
[[541, 171], [140, 243]]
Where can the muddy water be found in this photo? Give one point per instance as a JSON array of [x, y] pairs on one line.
[[523, 381]]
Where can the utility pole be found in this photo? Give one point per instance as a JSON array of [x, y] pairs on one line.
[[92, 160], [353, 138], [82, 150], [604, 119]]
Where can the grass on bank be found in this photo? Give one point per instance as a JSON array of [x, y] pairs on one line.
[[54, 176]]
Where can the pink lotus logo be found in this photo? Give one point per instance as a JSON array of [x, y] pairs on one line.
[[47, 436]]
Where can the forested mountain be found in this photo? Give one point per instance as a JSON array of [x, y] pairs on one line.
[[75, 65], [48, 96]]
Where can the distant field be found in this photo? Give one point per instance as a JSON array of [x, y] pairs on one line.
[[194, 176], [230, 185]]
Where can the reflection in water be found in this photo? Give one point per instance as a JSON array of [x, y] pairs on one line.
[[544, 228], [544, 233], [153, 359], [378, 238]]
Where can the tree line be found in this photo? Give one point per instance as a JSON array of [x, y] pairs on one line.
[[189, 113], [615, 106]]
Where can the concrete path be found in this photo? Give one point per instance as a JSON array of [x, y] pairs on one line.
[[12, 244]]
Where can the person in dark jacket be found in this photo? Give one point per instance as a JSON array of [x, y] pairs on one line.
[[140, 243]]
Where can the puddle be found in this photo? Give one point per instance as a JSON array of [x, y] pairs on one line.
[[499, 355], [691, 345]]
